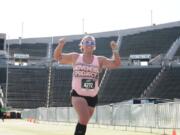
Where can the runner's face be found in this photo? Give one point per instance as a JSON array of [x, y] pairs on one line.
[[88, 45]]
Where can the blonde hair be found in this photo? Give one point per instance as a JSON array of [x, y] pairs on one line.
[[84, 38]]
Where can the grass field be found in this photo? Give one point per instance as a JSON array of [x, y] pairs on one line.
[[22, 127]]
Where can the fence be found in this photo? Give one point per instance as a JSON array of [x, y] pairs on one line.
[[164, 115]]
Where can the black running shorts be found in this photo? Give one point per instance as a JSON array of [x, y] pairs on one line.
[[92, 101]]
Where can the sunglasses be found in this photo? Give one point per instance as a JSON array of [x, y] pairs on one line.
[[88, 43]]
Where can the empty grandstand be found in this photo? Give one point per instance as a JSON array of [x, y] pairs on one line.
[[27, 86], [126, 83], [34, 50], [152, 42]]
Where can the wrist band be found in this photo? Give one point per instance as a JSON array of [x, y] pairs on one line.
[[115, 50]]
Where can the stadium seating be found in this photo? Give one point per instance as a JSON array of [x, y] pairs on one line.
[[27, 87], [3, 58], [2, 75], [126, 83], [152, 42], [61, 86], [169, 86], [34, 50], [178, 52]]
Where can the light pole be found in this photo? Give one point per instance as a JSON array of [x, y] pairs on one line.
[[50, 71], [7, 71], [151, 17], [22, 29], [83, 25]]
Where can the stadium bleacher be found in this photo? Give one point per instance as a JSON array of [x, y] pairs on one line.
[[169, 86], [61, 86], [27, 86], [34, 50], [2, 76], [126, 83], [152, 42]]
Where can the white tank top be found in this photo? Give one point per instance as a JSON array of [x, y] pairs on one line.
[[85, 78]]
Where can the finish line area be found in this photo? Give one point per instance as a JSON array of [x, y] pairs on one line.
[[23, 127]]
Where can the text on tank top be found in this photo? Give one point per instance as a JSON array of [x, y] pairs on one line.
[[86, 76]]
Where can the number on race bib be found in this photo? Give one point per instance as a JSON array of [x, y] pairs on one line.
[[88, 84]]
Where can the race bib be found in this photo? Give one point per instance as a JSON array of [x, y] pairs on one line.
[[88, 84]]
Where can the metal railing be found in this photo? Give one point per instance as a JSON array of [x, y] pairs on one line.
[[164, 115]]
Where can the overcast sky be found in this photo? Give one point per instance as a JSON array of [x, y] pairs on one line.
[[41, 18]]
